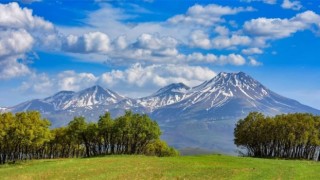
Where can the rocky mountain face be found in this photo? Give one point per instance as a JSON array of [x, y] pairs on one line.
[[202, 116]]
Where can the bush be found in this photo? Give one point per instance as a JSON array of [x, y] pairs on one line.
[[160, 148]]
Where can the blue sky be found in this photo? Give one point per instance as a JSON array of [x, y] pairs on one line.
[[136, 47]]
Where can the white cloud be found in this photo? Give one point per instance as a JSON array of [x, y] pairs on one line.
[[222, 42], [148, 41], [13, 45], [200, 39], [70, 80], [206, 15], [116, 26], [13, 16], [250, 51], [65, 80], [120, 42], [264, 1], [233, 59], [254, 62], [147, 78], [15, 42], [20, 32], [12, 66], [39, 83], [276, 28], [222, 30], [93, 42], [294, 5], [141, 42]]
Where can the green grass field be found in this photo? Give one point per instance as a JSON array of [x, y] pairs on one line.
[[142, 167]]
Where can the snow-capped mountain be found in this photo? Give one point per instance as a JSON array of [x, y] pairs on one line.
[[170, 94], [202, 116], [67, 100], [95, 95], [229, 95]]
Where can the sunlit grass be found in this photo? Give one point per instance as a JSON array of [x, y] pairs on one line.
[[142, 167]]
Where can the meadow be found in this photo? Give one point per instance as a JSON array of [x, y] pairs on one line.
[[147, 167]]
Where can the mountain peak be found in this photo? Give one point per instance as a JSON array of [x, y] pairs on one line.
[[167, 95], [226, 74], [62, 93], [225, 79], [173, 88], [94, 88]]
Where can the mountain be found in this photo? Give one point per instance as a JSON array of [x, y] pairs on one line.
[[206, 116], [229, 95], [200, 117], [64, 105], [170, 94]]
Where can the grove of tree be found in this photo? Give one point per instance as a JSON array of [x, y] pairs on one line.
[[26, 135], [292, 136]]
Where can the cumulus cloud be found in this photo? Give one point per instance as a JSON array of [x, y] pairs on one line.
[[276, 28], [251, 51], [39, 83], [15, 42], [70, 80], [294, 5], [13, 66], [155, 76], [20, 32], [13, 16], [148, 41], [146, 78], [222, 42], [222, 30], [201, 39], [93, 42], [206, 15], [148, 48], [233, 59], [254, 62]]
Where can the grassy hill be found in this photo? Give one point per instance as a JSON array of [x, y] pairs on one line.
[[142, 167]]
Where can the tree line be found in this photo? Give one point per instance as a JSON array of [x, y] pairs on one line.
[[293, 136], [25, 135]]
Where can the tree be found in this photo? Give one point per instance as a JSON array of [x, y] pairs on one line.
[[284, 136], [77, 129], [26, 135], [105, 128], [160, 148]]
